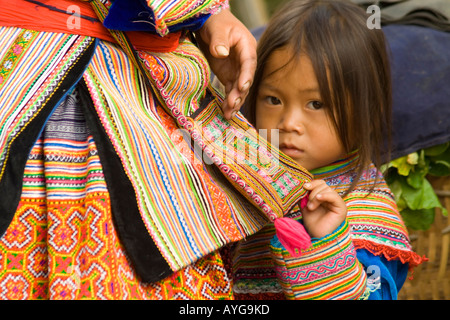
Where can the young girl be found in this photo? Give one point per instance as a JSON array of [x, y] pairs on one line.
[[323, 84]]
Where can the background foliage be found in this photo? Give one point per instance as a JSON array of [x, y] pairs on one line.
[[408, 177]]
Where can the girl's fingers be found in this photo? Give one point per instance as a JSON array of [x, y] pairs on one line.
[[315, 187], [329, 198], [320, 194]]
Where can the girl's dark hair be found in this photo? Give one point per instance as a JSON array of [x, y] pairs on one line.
[[351, 65]]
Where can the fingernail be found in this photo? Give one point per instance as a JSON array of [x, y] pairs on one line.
[[222, 51], [233, 114], [307, 185], [237, 102], [246, 86]]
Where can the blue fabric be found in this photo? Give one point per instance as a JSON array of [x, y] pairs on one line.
[[392, 274], [135, 15], [421, 94]]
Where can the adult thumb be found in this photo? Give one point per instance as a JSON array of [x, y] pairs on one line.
[[218, 44], [220, 50]]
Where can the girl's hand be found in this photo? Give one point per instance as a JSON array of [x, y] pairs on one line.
[[231, 52], [325, 210]]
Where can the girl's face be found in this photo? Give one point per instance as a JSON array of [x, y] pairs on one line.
[[289, 101]]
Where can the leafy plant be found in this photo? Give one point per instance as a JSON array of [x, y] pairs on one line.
[[408, 178]]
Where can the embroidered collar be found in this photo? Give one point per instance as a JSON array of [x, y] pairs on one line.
[[337, 168]]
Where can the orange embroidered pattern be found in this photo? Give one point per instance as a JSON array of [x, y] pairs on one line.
[[61, 247]]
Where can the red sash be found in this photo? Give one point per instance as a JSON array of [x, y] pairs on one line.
[[75, 17]]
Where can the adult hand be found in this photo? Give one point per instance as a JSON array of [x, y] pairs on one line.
[[325, 211], [231, 52]]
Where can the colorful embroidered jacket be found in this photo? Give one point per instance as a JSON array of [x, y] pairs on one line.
[[368, 256], [119, 177]]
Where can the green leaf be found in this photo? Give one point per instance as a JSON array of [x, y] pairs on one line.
[[439, 168], [421, 198], [407, 179], [402, 165], [418, 219], [401, 204], [436, 150], [396, 188], [417, 176], [422, 162], [445, 156], [415, 179], [384, 168]]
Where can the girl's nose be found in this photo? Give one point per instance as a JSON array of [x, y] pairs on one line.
[[292, 121]]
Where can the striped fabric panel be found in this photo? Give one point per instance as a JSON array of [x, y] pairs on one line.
[[328, 270], [186, 90], [253, 266], [33, 188], [70, 180], [180, 217], [378, 224], [73, 167], [250, 254], [228, 204], [169, 13], [270, 180], [40, 61]]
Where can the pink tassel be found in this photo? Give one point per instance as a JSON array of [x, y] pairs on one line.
[[304, 201], [292, 235]]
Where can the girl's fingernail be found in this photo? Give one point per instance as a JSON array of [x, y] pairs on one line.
[[237, 102], [233, 114], [307, 185]]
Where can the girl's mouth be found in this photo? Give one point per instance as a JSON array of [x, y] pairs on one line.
[[291, 151]]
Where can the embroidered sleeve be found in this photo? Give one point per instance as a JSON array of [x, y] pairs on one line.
[[161, 16], [328, 270], [377, 225]]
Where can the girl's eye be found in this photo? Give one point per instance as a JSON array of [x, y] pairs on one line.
[[273, 100], [315, 105]]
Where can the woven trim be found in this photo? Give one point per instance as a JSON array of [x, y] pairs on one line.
[[405, 256]]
